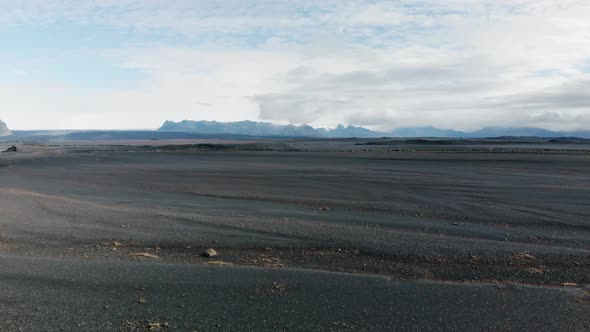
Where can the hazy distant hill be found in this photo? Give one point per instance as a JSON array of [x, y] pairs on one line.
[[425, 132], [252, 128], [249, 129], [4, 131], [528, 132]]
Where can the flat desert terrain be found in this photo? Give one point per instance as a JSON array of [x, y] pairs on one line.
[[310, 235]]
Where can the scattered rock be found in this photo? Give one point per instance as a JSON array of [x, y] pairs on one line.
[[276, 288], [116, 245], [570, 284], [522, 257], [145, 326], [474, 258], [324, 208], [144, 255], [271, 262], [456, 223], [280, 287], [142, 300], [210, 253]]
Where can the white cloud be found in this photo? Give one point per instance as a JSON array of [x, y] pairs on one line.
[[383, 64], [4, 131]]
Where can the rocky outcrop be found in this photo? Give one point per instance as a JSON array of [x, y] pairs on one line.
[[10, 149]]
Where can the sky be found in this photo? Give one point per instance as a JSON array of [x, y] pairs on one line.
[[132, 64]]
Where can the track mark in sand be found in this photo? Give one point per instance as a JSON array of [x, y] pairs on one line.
[[583, 297], [22, 192], [143, 255], [189, 220], [219, 263]]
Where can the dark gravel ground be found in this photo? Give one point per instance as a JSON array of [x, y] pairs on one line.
[[426, 237], [50, 294]]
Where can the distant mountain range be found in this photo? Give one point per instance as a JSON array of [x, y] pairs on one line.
[[253, 128], [250, 129], [4, 131]]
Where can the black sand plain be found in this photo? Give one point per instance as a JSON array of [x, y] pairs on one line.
[[311, 235]]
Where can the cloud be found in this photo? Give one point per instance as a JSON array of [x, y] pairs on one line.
[[382, 64], [449, 91], [573, 95], [4, 131]]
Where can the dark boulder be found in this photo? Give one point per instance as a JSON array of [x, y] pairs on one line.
[[10, 149]]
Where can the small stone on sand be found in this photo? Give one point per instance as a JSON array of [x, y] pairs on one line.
[[210, 253]]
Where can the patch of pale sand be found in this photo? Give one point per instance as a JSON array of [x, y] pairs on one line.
[[5, 247], [83, 204]]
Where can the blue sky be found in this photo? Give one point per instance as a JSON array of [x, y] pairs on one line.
[[125, 64]]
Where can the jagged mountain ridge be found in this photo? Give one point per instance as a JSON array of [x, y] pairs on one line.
[[253, 128]]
